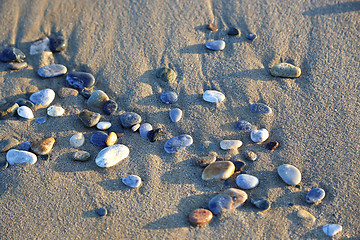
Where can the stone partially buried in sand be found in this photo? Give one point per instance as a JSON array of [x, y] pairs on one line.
[[285, 70], [67, 92], [213, 96], [166, 74], [216, 45], [129, 119], [7, 144], [332, 229], [306, 217], [207, 160], [260, 203], [178, 143], [12, 54], [43, 147], [81, 156], [98, 99], [200, 217], [52, 70], [289, 174], [218, 171], [112, 155], [88, 118], [43, 97], [18, 157], [17, 66], [8, 110], [80, 80]]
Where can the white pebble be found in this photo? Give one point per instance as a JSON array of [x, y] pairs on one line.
[[332, 229], [213, 96], [77, 140], [260, 135], [230, 144], [40, 46], [132, 181], [112, 155], [135, 127], [103, 125], [14, 156], [25, 112], [144, 129], [55, 111]]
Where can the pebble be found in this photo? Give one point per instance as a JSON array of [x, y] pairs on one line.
[[98, 138], [45, 157], [213, 96], [220, 170], [80, 80], [260, 108], [88, 118], [206, 161], [332, 229], [110, 107], [67, 92], [77, 140], [169, 97], [212, 27], [246, 181], [102, 212], [315, 195], [25, 112], [43, 97], [81, 156], [272, 145], [250, 155], [7, 144], [144, 129], [216, 45], [200, 217], [238, 197], [243, 125], [118, 129], [307, 217], [111, 139], [112, 155], [25, 146], [176, 114], [40, 46], [132, 181], [233, 32], [218, 203], [166, 74], [103, 125], [55, 111], [46, 58], [129, 119], [18, 157], [24, 102], [178, 143], [251, 36], [135, 127], [230, 144], [52, 70], [207, 146], [289, 174], [260, 203], [57, 42], [17, 66], [153, 135], [12, 54], [259, 136], [86, 93], [239, 165], [8, 110], [98, 99], [3, 165], [43, 147], [285, 70], [40, 120]]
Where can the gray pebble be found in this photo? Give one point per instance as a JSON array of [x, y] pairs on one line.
[[315, 195], [81, 156]]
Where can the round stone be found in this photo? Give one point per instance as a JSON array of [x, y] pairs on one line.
[[238, 197], [260, 203], [40, 46], [7, 144], [17, 66], [213, 96], [153, 135], [40, 120], [43, 147], [81, 156], [52, 70], [12, 54], [260, 108], [111, 139], [132, 181], [67, 92], [212, 27], [43, 97], [332, 229], [77, 140], [98, 99], [110, 107], [239, 165], [103, 125], [285, 70], [55, 111], [24, 102], [246, 181], [233, 32], [243, 125], [112, 155], [129, 119], [135, 127], [8, 110], [57, 42], [200, 217], [18, 157], [272, 145], [178, 143], [230, 144], [206, 161], [25, 112], [250, 155], [3, 165], [169, 97], [315, 195], [166, 74], [80, 80], [144, 129], [98, 138], [176, 114], [218, 203], [259, 136], [25, 146], [102, 212], [220, 170], [289, 174], [306, 217], [251, 36], [88, 118], [216, 45]]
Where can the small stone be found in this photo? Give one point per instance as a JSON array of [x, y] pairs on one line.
[[67, 92], [43, 97], [237, 196], [272, 145], [206, 161], [77, 140], [7, 144], [88, 118], [3, 165], [246, 181], [231, 198], [45, 157], [40, 120], [81, 156], [239, 165], [12, 54], [212, 27], [98, 99], [110, 107], [176, 114], [216, 45], [144, 129], [55, 111], [25, 146], [103, 125], [332, 229], [132, 181], [260, 108], [8, 110], [233, 32], [129, 119], [218, 203], [111, 139], [102, 212], [117, 129], [213, 96], [112, 155], [17, 66], [25, 112], [135, 127], [289, 174], [200, 217], [86, 93], [207, 146], [57, 42], [259, 136], [250, 155], [24, 102], [98, 138], [18, 157], [178, 143], [169, 97], [285, 70], [243, 125], [43, 147], [230, 144], [46, 58], [251, 36], [52, 70], [153, 135], [80, 80], [315, 195], [261, 203], [166, 74], [218, 171], [40, 46], [307, 217]]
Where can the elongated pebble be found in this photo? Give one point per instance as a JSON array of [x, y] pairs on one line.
[[52, 70], [219, 170], [112, 155], [260, 108], [81, 156], [332, 229], [111, 139], [216, 45], [18, 157], [176, 114], [285, 70], [178, 143], [207, 160], [17, 66], [135, 127], [11, 54], [306, 217], [25, 112], [25, 102], [103, 125], [261, 203], [132, 181], [7, 144], [67, 92], [169, 97], [230, 144], [80, 80], [289, 174], [213, 96]]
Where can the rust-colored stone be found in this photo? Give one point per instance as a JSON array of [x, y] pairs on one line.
[[200, 217]]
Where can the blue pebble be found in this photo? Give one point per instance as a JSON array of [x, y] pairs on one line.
[[260, 108], [25, 146], [43, 97], [98, 138], [129, 119], [80, 80], [251, 36], [169, 97], [86, 93], [315, 195], [178, 143], [40, 120], [52, 70], [101, 211], [218, 203], [175, 114], [110, 107], [216, 45], [12, 54], [243, 125]]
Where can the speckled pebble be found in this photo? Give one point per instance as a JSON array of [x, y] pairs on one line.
[[144, 129], [52, 70], [259, 136], [43, 147], [67, 92], [98, 138], [80, 80], [178, 143], [129, 119], [81, 156], [243, 125], [250, 155], [169, 97], [132, 181], [246, 181], [285, 70], [166, 74], [260, 108], [216, 45], [315, 195], [200, 217], [176, 114], [77, 140], [110, 107]]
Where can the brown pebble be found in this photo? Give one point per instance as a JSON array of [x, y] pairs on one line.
[[200, 217], [17, 66], [212, 27], [237, 196], [111, 139], [307, 218], [43, 147], [220, 170], [67, 92]]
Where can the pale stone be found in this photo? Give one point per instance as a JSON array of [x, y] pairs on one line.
[[18, 156], [77, 140], [285, 70], [259, 136], [213, 96], [25, 112], [332, 229], [230, 144], [55, 111], [218, 171], [103, 125], [307, 218], [112, 155], [40, 46], [290, 174]]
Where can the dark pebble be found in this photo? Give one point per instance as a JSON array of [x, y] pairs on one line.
[[101, 211], [40, 120], [212, 27], [291, 204], [251, 36], [226, 182], [88, 118], [233, 32], [25, 146], [12, 54], [7, 144], [260, 108], [218, 203], [166, 74], [57, 42], [86, 93], [129, 119], [272, 145], [239, 165], [98, 138], [261, 203], [118, 129], [110, 107], [45, 157], [169, 97], [25, 102], [153, 135], [315, 195], [243, 125], [3, 165], [8, 110], [80, 80]]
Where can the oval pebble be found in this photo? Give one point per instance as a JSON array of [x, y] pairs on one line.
[[238, 197], [111, 139], [129, 119], [77, 140], [88, 118], [132, 181], [213, 96], [52, 70], [110, 107], [243, 125], [315, 195], [259, 136], [289, 174], [80, 80], [166, 74], [43, 146], [102, 212], [285, 70], [11, 54], [98, 99], [233, 32], [260, 108], [81, 156], [306, 217], [55, 111], [261, 203], [17, 66], [43, 97], [57, 42], [230, 144], [25, 112], [218, 203], [251, 36], [220, 170], [40, 120], [25, 146], [67, 92], [176, 114], [178, 143], [332, 229], [200, 217], [103, 125], [98, 138], [169, 97], [112, 155], [144, 129], [18, 157], [216, 45], [246, 181], [7, 144]]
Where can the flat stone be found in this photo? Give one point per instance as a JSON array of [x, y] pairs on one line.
[[112, 155], [200, 217], [103, 125], [178, 143], [230, 144], [40, 46], [55, 111], [153, 135], [176, 114], [118, 129], [234, 32], [250, 155], [135, 127], [81, 156], [129, 119], [216, 45], [98, 99], [212, 27], [260, 108], [166, 74], [88, 118], [306, 217], [57, 42], [259, 136], [12, 54], [102, 212], [17, 66], [8, 110], [332, 229], [246, 181], [25, 146], [43, 97], [25, 102], [272, 145], [315, 195], [260, 203], [239, 165], [132, 181], [238, 197], [46, 58], [219, 203], [111, 139], [207, 160], [77, 140], [52, 70], [18, 157], [67, 92], [144, 129], [243, 125], [220, 170], [213, 96], [86, 93], [40, 120], [285, 70], [98, 138], [3, 165], [289, 174], [25, 112], [110, 107], [169, 97], [80, 80], [251, 36], [7, 144], [43, 147]]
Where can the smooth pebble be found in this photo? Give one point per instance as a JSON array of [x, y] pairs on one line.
[[111, 139], [103, 125], [52, 70], [77, 140], [218, 203], [55, 111], [233, 32], [129, 119], [132, 181], [307, 218], [169, 97], [332, 229], [98, 99], [40, 120], [43, 147], [178, 143], [272, 145], [260, 203], [315, 195], [112, 155], [239, 165], [81, 156], [98, 138], [216, 45], [18, 157], [238, 197], [102, 212], [135, 127], [289, 174], [25, 146], [200, 217], [25, 112], [251, 36], [58, 42], [243, 125], [246, 181], [144, 129], [259, 136], [213, 96], [230, 144], [12, 54], [176, 114], [43, 97], [88, 118], [220, 170], [285, 70], [7, 144], [260, 108], [110, 107], [80, 80], [17, 66]]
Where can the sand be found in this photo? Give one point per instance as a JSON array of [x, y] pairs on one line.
[[123, 43]]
